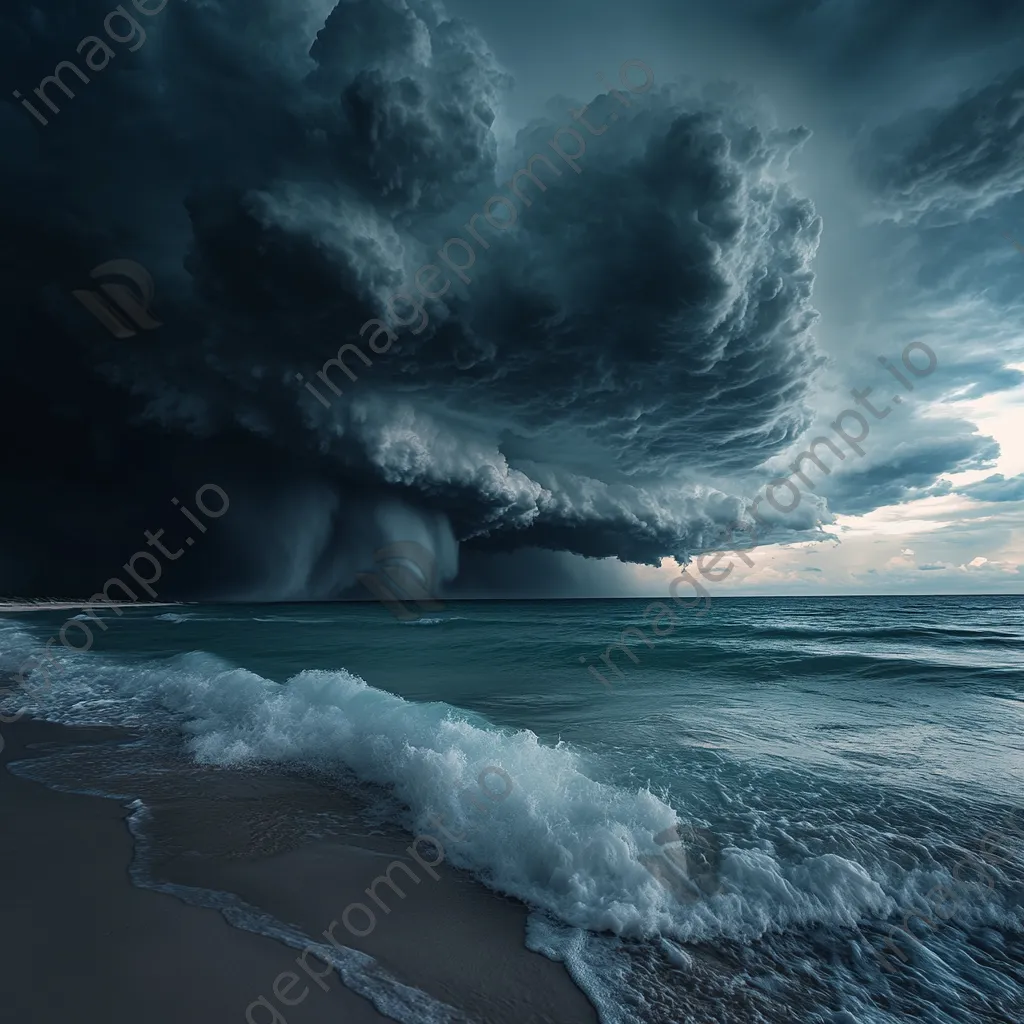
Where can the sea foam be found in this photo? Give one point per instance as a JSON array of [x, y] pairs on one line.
[[562, 840]]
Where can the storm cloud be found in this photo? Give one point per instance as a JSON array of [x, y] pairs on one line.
[[647, 318], [632, 342], [946, 165]]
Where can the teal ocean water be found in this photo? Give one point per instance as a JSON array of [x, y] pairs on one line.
[[785, 808]]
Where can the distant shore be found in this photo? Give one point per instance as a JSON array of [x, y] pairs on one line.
[[58, 606]]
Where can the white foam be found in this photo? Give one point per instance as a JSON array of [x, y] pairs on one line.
[[561, 840], [291, 620]]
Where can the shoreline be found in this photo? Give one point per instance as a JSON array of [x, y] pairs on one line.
[[67, 870], [66, 606], [138, 954]]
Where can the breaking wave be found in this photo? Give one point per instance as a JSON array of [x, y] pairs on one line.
[[561, 840]]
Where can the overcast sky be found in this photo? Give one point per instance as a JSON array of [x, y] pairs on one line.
[[778, 193]]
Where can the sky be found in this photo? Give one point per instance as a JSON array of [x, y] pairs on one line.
[[349, 307]]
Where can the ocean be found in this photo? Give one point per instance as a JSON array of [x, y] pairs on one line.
[[803, 808]]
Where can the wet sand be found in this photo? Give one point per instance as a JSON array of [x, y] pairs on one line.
[[78, 938], [449, 937]]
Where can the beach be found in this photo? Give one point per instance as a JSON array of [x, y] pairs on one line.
[[79, 936]]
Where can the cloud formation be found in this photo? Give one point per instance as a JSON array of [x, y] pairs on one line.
[[996, 488], [634, 342], [646, 320]]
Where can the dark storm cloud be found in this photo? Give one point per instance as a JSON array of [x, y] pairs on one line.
[[535, 573], [282, 171]]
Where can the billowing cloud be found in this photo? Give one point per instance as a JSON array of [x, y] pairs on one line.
[[587, 333], [639, 337]]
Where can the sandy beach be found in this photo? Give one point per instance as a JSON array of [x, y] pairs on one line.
[[78, 936]]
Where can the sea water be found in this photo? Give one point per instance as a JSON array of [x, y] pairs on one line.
[[786, 808]]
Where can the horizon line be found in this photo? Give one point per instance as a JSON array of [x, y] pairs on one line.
[[56, 604]]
